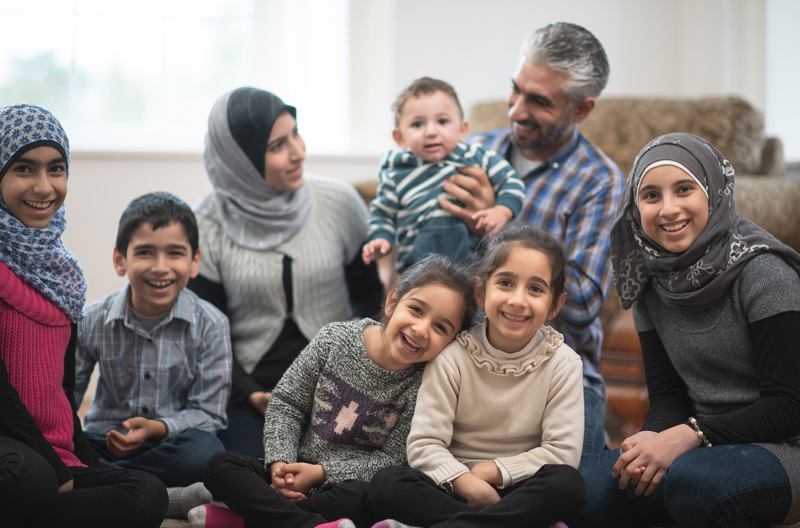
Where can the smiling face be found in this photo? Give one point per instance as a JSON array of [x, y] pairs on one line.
[[420, 324], [518, 299], [430, 126], [286, 151], [159, 264], [542, 117], [35, 186], [673, 208]]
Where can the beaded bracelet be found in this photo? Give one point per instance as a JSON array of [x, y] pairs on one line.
[[700, 434]]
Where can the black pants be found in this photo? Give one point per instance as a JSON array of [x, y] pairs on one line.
[[555, 493], [242, 483], [100, 498]]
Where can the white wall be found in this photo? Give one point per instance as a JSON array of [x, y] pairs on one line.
[[676, 48], [682, 48]]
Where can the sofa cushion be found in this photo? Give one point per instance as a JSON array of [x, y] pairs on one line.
[[622, 126]]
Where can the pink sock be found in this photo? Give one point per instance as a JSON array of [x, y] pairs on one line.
[[559, 524], [213, 516], [341, 523]]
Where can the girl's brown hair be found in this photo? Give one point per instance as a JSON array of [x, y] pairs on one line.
[[438, 269], [498, 247]]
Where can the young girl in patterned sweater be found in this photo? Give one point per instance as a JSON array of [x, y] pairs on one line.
[[44, 480], [342, 411]]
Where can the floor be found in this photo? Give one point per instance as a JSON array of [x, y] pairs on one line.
[[175, 523]]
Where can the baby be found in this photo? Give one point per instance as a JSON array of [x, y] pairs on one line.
[[430, 127]]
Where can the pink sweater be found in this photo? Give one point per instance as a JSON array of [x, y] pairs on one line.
[[34, 335]]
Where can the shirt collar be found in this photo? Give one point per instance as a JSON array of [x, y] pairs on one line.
[[121, 309]]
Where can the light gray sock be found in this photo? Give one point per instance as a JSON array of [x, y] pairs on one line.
[[181, 500], [197, 517]]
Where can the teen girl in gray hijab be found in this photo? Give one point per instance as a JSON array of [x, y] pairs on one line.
[[716, 302], [277, 245]]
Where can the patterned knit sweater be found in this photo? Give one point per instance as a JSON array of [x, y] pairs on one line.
[[34, 335], [337, 408]]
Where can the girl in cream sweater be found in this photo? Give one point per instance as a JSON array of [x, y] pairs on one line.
[[498, 427]]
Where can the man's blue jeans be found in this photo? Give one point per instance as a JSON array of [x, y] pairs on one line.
[[726, 485], [594, 417], [177, 461]]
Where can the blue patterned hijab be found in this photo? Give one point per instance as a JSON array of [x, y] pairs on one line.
[[38, 256]]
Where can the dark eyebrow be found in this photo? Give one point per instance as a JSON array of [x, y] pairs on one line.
[[170, 247], [276, 140], [427, 306], [539, 98], [676, 184], [31, 161], [535, 278]]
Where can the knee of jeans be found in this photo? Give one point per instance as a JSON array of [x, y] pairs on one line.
[[202, 442], [687, 496]]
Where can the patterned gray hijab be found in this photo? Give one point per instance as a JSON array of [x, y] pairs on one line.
[[253, 213], [699, 276]]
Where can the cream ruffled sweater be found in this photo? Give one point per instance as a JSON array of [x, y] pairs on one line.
[[476, 403]]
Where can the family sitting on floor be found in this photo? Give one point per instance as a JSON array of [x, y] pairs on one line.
[[253, 374]]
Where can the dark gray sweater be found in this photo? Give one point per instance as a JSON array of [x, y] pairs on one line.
[[734, 366]]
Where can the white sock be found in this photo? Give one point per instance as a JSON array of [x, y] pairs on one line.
[[181, 500], [213, 516], [197, 517]]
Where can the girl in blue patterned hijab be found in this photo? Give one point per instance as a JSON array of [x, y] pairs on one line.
[[34, 167]]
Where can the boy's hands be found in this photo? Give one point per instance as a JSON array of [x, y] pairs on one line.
[[477, 492], [473, 188], [259, 401], [294, 480], [140, 430], [492, 219], [375, 250]]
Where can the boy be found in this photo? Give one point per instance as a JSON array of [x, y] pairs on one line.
[[430, 126], [164, 354]]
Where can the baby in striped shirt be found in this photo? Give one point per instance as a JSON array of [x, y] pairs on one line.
[[430, 128]]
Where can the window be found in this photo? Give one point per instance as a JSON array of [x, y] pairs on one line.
[[783, 75], [143, 76]]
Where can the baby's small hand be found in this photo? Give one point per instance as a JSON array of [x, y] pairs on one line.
[[492, 219], [375, 250]]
